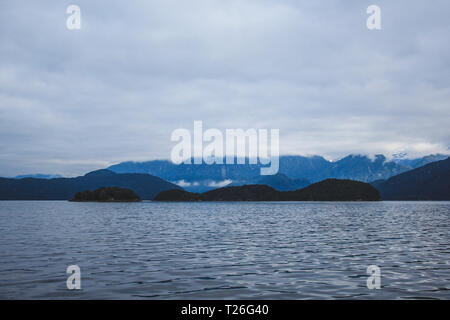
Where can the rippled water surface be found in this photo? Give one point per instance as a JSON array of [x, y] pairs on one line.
[[224, 250]]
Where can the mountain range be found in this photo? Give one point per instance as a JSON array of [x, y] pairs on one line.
[[203, 177], [429, 181]]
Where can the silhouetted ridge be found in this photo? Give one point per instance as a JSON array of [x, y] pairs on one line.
[[281, 182], [113, 194], [146, 186], [327, 190], [430, 182], [177, 195], [100, 173], [334, 190]]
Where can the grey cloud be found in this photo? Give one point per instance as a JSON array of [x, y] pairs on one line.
[[72, 101]]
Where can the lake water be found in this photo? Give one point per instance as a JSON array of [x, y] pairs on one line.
[[224, 250]]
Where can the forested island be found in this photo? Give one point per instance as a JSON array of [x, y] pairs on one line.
[[327, 190], [111, 194]]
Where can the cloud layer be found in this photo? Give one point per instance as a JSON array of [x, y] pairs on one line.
[[76, 100]]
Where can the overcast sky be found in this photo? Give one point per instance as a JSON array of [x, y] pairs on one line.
[[72, 101]]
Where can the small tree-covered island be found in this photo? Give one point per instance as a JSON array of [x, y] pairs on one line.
[[327, 190], [111, 194]]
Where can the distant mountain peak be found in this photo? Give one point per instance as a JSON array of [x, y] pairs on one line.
[[400, 155]]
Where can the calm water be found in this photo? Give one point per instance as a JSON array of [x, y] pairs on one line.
[[224, 250]]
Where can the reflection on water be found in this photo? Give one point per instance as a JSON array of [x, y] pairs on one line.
[[224, 250]]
